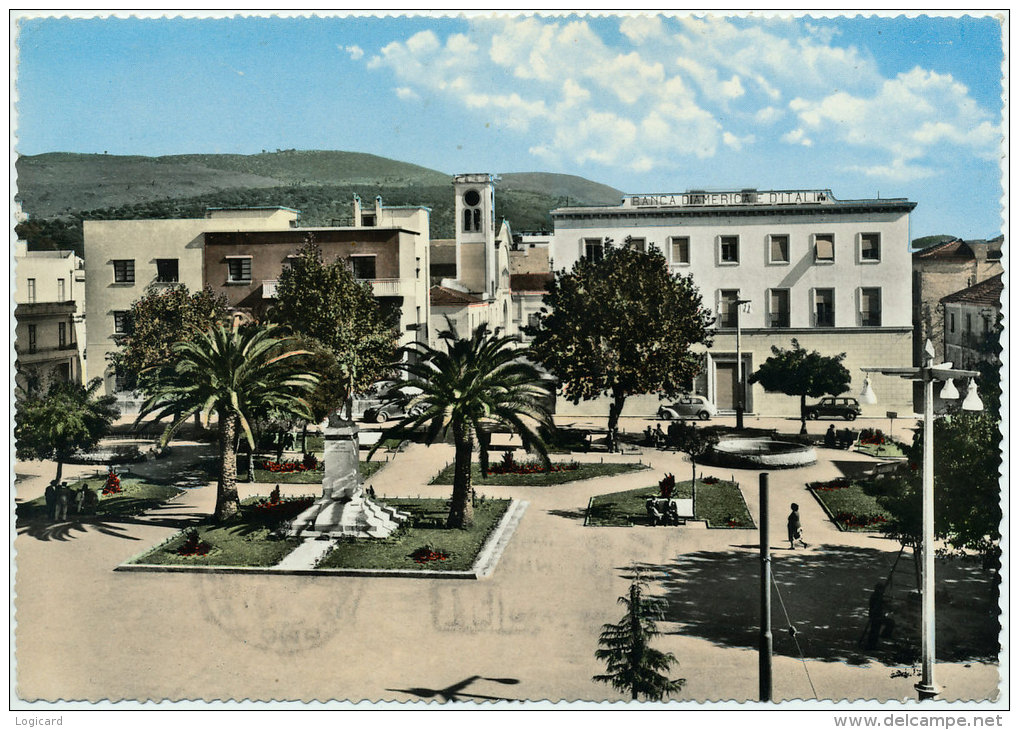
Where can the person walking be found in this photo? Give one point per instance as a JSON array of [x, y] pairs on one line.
[[51, 501], [63, 499], [830, 438], [794, 528]]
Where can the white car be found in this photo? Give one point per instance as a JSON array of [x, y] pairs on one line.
[[689, 406]]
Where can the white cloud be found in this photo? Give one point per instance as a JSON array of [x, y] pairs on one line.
[[665, 90], [356, 52]]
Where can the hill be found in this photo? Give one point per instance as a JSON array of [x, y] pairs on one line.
[[59, 190]]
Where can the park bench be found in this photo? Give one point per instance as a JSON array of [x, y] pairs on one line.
[[661, 511]]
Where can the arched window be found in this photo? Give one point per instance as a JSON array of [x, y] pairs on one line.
[[477, 219], [467, 220]]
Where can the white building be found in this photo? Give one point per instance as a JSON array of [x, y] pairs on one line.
[[834, 274], [49, 294]]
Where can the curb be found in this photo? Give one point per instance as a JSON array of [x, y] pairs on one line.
[[484, 564]]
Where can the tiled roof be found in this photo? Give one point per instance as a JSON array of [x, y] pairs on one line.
[[985, 293], [444, 296], [959, 249], [530, 282]]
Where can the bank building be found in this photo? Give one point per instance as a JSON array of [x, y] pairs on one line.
[[833, 274]]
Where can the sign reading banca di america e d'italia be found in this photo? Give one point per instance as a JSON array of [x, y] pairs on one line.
[[743, 197]]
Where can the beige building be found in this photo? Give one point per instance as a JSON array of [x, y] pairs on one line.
[[49, 295], [827, 272], [941, 270], [971, 320], [124, 258]]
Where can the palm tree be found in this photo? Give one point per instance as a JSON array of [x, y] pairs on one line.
[[633, 666], [472, 384], [237, 372]]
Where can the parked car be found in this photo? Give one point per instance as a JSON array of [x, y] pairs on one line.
[[387, 411], [689, 406], [830, 407]]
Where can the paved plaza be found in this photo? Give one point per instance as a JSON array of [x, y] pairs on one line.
[[85, 632]]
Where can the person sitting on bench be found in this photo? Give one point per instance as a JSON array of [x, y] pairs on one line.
[[655, 517]]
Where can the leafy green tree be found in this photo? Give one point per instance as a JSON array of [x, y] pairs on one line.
[[163, 316], [70, 417], [692, 441], [967, 489], [621, 326], [237, 373], [469, 385], [633, 666], [804, 373], [323, 301]]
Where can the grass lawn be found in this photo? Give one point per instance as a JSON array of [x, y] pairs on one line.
[[547, 479], [888, 449], [247, 540], [137, 496], [721, 504], [848, 506], [425, 530], [311, 477]]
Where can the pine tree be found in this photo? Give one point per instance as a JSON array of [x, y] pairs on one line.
[[633, 666]]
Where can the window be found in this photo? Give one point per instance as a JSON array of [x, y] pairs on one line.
[[123, 382], [120, 322], [367, 220], [594, 249], [533, 320], [824, 307], [31, 291], [951, 322], [31, 337], [167, 271], [778, 249], [637, 244], [62, 333], [123, 271], [728, 249], [680, 248], [824, 248], [870, 247], [61, 291], [870, 307], [969, 323], [728, 309], [363, 267], [239, 269], [778, 308], [472, 213]]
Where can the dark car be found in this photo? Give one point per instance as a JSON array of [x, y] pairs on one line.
[[387, 411], [831, 407]]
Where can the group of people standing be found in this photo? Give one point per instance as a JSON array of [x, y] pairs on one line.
[[61, 500]]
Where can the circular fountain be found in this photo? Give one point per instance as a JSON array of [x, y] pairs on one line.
[[762, 453]]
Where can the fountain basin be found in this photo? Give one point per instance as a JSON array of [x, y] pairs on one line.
[[762, 453]]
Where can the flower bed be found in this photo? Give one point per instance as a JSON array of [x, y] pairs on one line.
[[426, 555], [308, 463], [531, 466], [112, 484], [719, 503], [279, 508], [848, 505]]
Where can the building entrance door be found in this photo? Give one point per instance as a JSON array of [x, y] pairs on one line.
[[726, 386]]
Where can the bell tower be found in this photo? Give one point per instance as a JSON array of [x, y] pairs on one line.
[[475, 232]]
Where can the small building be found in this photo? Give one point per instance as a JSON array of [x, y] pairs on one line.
[[972, 323], [526, 291], [49, 298], [941, 270]]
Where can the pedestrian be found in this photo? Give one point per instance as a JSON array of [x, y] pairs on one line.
[[649, 436], [830, 438], [63, 499], [659, 436], [51, 501], [794, 528]]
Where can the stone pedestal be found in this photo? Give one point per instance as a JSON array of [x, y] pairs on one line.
[[344, 509]]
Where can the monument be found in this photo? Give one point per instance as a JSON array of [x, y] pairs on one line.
[[344, 509]]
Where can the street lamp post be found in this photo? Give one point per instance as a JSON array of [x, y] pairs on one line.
[[741, 383], [927, 374]]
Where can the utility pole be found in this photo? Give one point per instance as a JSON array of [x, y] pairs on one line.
[[765, 647]]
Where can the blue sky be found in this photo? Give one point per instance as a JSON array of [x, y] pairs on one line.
[[896, 107]]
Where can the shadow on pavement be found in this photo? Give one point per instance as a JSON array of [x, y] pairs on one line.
[[111, 525], [570, 514], [826, 591], [454, 692]]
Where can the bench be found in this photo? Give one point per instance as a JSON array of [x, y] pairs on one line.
[[661, 511]]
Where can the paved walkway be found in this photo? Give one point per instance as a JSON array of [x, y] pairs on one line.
[[85, 632]]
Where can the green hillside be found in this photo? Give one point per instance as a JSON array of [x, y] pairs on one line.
[[59, 190]]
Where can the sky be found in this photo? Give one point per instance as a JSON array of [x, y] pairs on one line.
[[864, 106]]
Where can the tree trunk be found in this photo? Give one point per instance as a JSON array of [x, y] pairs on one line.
[[615, 409], [60, 469], [281, 443], [461, 507], [803, 415], [304, 437], [227, 502], [484, 441]]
